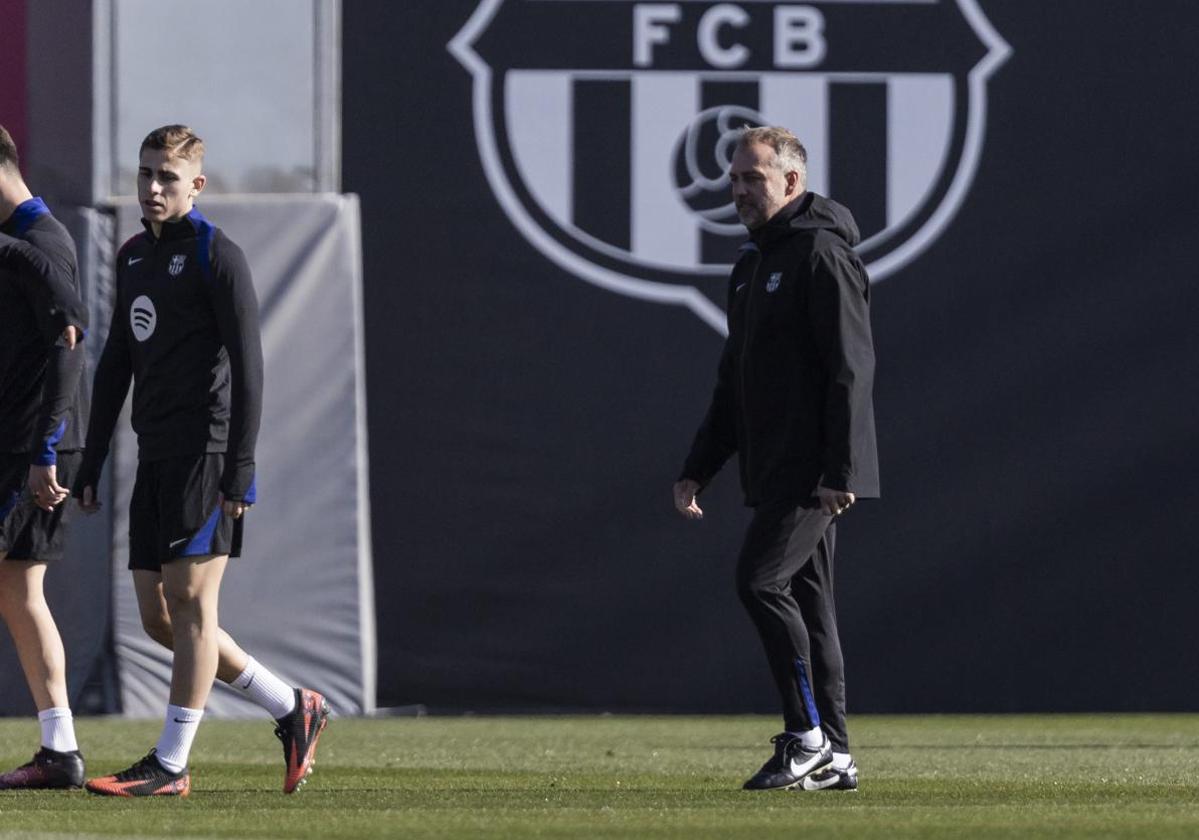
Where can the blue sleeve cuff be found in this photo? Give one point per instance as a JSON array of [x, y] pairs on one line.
[[47, 456]]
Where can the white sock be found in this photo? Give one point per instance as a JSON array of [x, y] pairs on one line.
[[258, 684], [178, 732], [811, 739], [841, 761], [58, 729]]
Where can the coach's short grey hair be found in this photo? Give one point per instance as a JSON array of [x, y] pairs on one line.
[[789, 153]]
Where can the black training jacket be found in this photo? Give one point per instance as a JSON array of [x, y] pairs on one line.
[[43, 399], [793, 390], [185, 330]]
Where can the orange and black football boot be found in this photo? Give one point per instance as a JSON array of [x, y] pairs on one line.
[[299, 732], [145, 778]]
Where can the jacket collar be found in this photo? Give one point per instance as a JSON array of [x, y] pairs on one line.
[[779, 226], [25, 214], [185, 228]]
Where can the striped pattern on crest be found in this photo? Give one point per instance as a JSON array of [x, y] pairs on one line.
[[600, 153]]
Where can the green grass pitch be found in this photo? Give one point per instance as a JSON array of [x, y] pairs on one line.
[[639, 777]]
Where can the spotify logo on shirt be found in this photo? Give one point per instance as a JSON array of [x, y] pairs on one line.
[[142, 317]]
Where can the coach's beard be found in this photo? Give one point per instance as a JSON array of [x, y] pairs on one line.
[[750, 215]]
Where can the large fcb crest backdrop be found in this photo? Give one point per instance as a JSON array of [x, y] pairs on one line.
[[1031, 208], [606, 134]]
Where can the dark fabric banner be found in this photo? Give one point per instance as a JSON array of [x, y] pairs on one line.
[[545, 255], [13, 90]]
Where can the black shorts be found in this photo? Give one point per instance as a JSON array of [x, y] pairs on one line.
[[176, 512], [26, 531]]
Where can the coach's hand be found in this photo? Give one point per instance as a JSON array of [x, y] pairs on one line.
[[834, 502], [684, 498], [88, 501], [70, 337], [43, 484], [234, 509]]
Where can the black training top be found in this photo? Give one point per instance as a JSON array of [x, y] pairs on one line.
[[43, 401], [185, 329], [793, 394]]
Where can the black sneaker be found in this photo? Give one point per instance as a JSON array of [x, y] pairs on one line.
[[145, 778], [831, 778], [790, 763], [49, 769], [299, 732]]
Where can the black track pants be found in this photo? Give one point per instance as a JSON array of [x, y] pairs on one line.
[[785, 580]]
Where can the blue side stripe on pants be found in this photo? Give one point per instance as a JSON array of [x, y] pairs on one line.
[[805, 692]]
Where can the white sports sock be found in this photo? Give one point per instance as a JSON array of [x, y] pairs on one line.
[[811, 739], [258, 684], [841, 761], [58, 729], [178, 732]]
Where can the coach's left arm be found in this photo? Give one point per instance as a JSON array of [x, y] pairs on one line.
[[839, 320]]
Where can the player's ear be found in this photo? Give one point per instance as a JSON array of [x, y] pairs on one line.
[[198, 184]]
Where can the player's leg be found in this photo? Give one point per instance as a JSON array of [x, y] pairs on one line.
[[27, 531], [300, 714], [232, 661], [186, 490], [58, 763], [154, 517], [779, 541], [23, 527], [174, 517], [191, 587], [152, 607], [813, 591], [34, 633]]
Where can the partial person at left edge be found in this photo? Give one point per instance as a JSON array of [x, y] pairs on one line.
[[43, 417]]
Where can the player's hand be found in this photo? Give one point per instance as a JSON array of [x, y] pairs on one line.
[[684, 498], [43, 484], [88, 502], [234, 509], [71, 337], [834, 502]]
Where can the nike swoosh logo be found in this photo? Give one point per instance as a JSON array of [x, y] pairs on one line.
[[178, 543], [135, 260], [739, 288], [251, 682], [177, 720]]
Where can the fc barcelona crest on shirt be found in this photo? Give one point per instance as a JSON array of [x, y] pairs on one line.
[[772, 284], [177, 263], [605, 127]]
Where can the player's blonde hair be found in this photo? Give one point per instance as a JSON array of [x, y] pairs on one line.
[[177, 141], [789, 153]]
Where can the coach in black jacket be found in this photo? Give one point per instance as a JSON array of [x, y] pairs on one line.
[[793, 399]]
